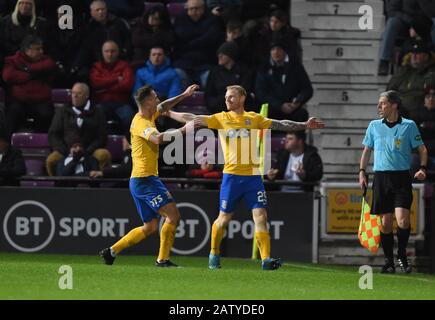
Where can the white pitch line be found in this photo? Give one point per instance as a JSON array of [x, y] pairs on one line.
[[389, 275]]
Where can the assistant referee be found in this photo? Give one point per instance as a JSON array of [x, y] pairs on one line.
[[392, 138]]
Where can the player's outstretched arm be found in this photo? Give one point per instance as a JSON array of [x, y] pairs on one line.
[[161, 137], [169, 103], [288, 125], [182, 117], [199, 121]]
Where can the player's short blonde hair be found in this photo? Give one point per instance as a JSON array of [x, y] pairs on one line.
[[240, 90]]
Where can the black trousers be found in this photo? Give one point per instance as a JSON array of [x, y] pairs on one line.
[[18, 112]]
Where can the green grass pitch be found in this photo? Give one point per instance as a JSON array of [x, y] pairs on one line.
[[35, 276]]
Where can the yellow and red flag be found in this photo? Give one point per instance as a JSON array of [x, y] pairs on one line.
[[369, 232]]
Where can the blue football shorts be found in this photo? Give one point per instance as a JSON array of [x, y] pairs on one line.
[[149, 195], [234, 187]]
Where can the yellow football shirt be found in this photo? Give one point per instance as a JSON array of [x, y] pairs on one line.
[[238, 138], [144, 153]]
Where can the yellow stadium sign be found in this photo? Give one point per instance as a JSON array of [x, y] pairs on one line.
[[342, 209]]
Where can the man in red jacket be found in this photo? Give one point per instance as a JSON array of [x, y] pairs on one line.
[[112, 81], [27, 75]]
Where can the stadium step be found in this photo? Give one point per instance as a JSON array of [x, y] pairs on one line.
[[341, 61], [350, 252], [339, 7]]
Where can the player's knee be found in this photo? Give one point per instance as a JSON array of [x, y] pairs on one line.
[[223, 220], [403, 223], [173, 218]]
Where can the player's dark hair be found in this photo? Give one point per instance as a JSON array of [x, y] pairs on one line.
[[392, 97], [143, 93]]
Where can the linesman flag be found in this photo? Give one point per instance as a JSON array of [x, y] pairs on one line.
[[369, 232]]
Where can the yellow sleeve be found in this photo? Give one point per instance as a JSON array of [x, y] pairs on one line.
[[262, 122], [155, 115], [214, 121], [143, 129]]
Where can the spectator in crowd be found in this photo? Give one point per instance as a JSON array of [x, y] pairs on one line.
[[111, 81], [20, 23], [251, 44], [102, 27], [80, 120], [159, 74], [297, 162], [198, 34], [153, 28], [225, 9], [280, 30], [284, 85], [77, 163], [66, 50], [125, 9], [28, 75], [400, 15], [418, 68], [425, 120], [228, 72], [254, 11], [119, 172], [419, 31], [11, 162]]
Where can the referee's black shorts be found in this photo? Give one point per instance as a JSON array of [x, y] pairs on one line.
[[391, 189]]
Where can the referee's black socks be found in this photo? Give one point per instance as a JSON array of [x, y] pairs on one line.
[[402, 240], [387, 240]]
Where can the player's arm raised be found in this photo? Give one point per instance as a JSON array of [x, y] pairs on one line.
[[169, 103], [288, 125]]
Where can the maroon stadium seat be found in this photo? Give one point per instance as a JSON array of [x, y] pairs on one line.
[[61, 96], [114, 145], [35, 167], [31, 144], [277, 143], [175, 10], [197, 99], [149, 5], [193, 109]]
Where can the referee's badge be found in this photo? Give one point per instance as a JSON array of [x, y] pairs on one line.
[[397, 143], [247, 122]]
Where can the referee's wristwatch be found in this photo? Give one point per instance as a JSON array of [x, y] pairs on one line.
[[363, 170], [423, 168]]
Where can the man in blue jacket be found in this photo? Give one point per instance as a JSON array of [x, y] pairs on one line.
[[159, 74]]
